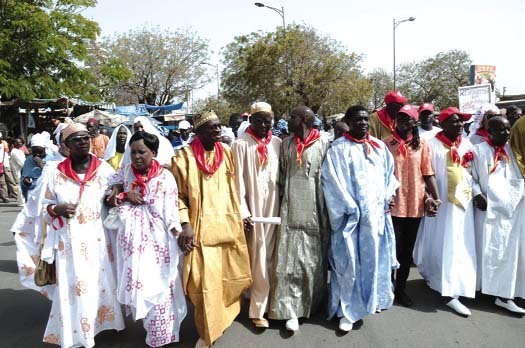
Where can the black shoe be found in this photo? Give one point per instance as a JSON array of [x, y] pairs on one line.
[[403, 299], [5, 200]]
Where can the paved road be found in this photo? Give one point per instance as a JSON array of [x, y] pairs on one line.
[[23, 316]]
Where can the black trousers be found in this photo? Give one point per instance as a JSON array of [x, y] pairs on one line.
[[406, 233]]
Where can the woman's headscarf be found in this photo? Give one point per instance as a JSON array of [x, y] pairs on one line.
[[111, 149], [166, 151]]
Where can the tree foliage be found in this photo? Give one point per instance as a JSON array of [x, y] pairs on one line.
[[293, 66], [163, 64], [381, 82], [436, 79], [42, 46], [220, 106]]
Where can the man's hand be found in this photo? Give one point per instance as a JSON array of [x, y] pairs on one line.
[[481, 202], [390, 204], [186, 239], [38, 161], [432, 206], [248, 224]]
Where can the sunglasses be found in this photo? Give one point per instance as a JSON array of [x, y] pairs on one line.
[[79, 139]]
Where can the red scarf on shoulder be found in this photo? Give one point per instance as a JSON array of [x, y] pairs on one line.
[[482, 133], [386, 120], [262, 145], [499, 154], [453, 146], [200, 156], [142, 180], [403, 149], [366, 140], [301, 146], [66, 168]]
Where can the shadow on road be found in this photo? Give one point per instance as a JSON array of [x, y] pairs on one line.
[[8, 266]]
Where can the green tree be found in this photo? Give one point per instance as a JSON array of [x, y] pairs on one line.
[[436, 79], [42, 46], [293, 66], [381, 82], [220, 106], [163, 64]]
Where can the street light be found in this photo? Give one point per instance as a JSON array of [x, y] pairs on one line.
[[216, 66], [280, 12], [410, 19]]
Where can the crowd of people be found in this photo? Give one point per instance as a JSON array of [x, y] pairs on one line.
[[290, 217]]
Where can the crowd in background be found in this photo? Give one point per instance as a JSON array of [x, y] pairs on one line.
[[269, 209]]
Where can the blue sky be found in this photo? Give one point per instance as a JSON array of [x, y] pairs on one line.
[[492, 32]]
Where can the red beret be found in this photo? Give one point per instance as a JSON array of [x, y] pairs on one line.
[[92, 120], [445, 114], [409, 110], [395, 97]]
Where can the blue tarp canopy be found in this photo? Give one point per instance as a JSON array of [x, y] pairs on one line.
[[172, 107], [132, 110]]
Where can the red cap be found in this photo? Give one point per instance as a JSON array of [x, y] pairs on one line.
[[409, 110], [395, 97], [426, 107], [445, 114]]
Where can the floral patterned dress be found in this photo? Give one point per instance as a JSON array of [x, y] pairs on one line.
[[85, 301], [148, 257]]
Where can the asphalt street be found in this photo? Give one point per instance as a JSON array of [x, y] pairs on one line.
[[429, 323]]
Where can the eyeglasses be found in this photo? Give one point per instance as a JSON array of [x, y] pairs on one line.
[[79, 139]]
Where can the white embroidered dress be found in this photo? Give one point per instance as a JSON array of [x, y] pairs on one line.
[[149, 259], [84, 302]]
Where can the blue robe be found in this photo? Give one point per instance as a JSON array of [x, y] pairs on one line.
[[362, 254]]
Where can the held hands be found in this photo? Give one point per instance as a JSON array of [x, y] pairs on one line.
[[481, 202], [65, 210], [186, 239], [112, 195], [432, 206], [248, 224], [391, 204]]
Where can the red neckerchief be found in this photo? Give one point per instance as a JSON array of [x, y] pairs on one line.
[[499, 154], [403, 149], [385, 119], [453, 146], [65, 167], [142, 180], [200, 156], [482, 132], [301, 146], [262, 145], [366, 140]]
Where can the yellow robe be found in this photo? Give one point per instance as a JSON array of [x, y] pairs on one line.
[[217, 271], [517, 143]]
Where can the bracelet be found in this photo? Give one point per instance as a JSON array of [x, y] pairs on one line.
[[51, 210]]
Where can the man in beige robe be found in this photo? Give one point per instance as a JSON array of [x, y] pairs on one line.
[[256, 156]]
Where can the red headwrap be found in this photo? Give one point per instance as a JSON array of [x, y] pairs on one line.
[[366, 140], [262, 145], [66, 168], [200, 156], [300, 146], [453, 146], [142, 180]]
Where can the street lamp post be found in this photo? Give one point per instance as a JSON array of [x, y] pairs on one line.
[[279, 11], [396, 23], [216, 66]]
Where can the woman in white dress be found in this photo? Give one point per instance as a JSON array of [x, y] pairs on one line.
[[148, 257], [84, 302]]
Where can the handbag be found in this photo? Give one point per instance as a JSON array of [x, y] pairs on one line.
[[2, 165], [112, 221], [45, 273]]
